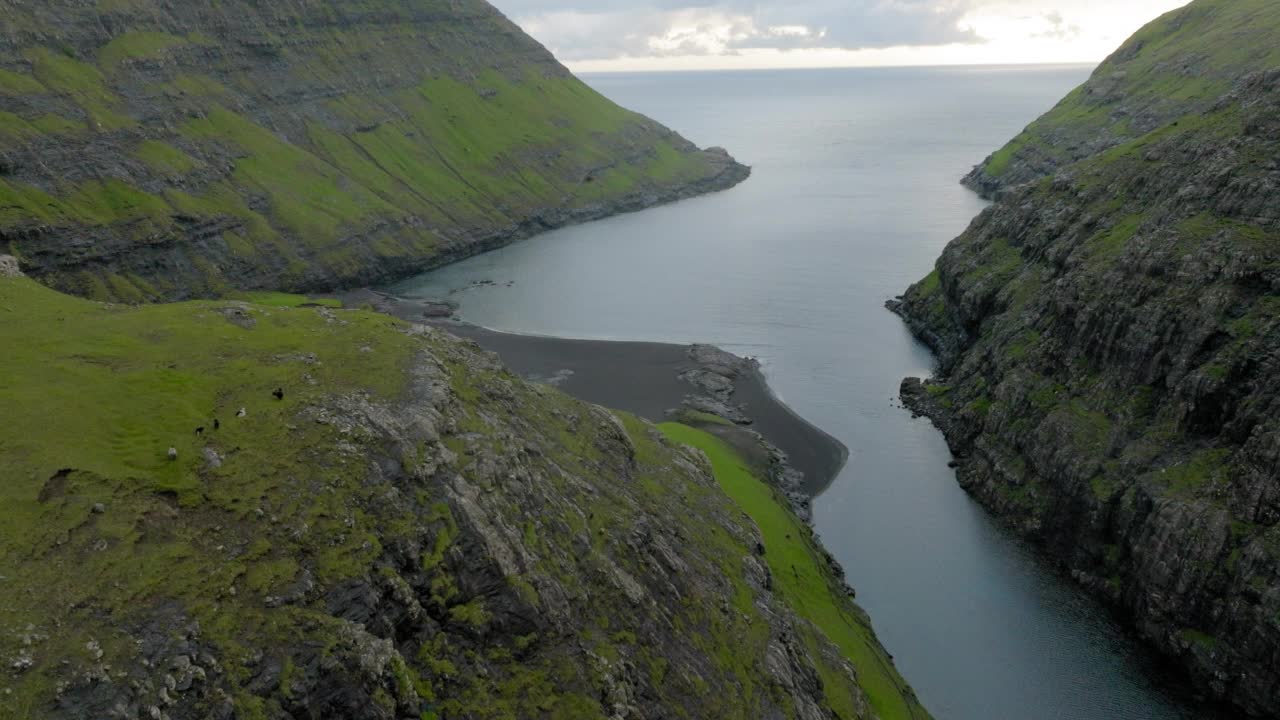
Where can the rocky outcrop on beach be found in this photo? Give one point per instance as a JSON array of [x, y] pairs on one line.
[[700, 385], [712, 376], [153, 150], [1108, 335]]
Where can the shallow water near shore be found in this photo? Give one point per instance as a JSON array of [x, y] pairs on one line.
[[854, 195]]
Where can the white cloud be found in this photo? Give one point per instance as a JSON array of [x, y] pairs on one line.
[[679, 34]]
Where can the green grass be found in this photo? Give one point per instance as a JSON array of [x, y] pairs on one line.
[[1110, 244], [307, 195], [999, 162], [84, 84], [473, 165], [1001, 261], [1198, 472], [375, 175], [929, 295], [1195, 637], [930, 285], [21, 131], [51, 124], [136, 45], [18, 84], [111, 389], [1224, 39], [164, 158], [1023, 344], [804, 582], [153, 374], [15, 130], [697, 417], [92, 204]]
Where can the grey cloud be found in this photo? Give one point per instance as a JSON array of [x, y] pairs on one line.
[[581, 29], [858, 24], [1059, 28]]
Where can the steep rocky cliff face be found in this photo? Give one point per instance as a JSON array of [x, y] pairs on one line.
[[160, 150], [1109, 340], [404, 530]]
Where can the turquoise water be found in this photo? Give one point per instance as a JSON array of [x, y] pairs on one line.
[[853, 197]]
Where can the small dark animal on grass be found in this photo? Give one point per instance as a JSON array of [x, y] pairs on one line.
[[279, 394], [216, 425], [200, 430]]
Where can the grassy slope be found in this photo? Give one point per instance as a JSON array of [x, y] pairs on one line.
[[1176, 66], [409, 133], [807, 584], [105, 391], [95, 395]]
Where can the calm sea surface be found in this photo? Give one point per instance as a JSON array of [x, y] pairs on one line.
[[854, 195]]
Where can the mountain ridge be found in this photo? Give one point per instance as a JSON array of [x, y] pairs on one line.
[[1174, 66], [160, 151]]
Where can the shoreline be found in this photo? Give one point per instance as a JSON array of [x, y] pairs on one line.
[[660, 382], [729, 174]]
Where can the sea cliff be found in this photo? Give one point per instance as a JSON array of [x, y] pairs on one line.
[[1108, 335]]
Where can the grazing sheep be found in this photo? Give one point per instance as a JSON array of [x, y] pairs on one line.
[[173, 453], [200, 430], [216, 425], [241, 413], [279, 393]]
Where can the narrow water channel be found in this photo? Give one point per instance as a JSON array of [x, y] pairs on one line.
[[854, 195]]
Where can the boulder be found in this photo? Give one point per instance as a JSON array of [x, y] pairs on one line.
[[9, 267]]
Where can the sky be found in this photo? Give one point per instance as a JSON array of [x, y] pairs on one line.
[[629, 35]]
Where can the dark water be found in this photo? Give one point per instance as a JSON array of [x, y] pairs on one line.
[[854, 195]]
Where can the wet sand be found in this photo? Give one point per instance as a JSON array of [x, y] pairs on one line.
[[640, 378]]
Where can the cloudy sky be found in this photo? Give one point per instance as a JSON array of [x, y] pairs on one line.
[[599, 35]]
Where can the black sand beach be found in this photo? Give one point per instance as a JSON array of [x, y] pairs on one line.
[[652, 380]]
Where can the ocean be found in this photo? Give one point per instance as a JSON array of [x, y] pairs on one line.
[[854, 194]]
